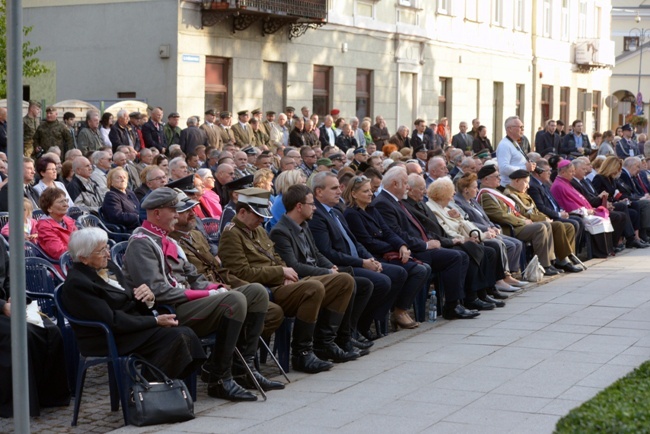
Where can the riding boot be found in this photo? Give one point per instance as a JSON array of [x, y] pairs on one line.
[[327, 326], [303, 358]]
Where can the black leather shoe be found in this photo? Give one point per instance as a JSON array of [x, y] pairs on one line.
[[619, 248], [497, 303], [334, 353], [494, 293], [266, 384], [309, 363], [637, 244], [458, 312], [568, 267], [551, 271], [479, 304], [230, 390], [349, 346], [362, 343]]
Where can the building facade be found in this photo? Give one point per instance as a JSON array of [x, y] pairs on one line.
[[402, 59]]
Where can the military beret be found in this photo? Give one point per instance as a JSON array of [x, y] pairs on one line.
[[324, 162], [185, 184], [519, 174], [240, 183], [486, 171]]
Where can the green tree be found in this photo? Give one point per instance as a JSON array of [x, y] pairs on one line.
[[32, 66]]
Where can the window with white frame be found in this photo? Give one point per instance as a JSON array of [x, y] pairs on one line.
[[471, 10], [565, 20], [582, 19], [365, 8], [497, 12], [519, 14], [546, 17], [443, 7]]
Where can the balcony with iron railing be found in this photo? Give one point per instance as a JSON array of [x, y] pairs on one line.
[[300, 15]]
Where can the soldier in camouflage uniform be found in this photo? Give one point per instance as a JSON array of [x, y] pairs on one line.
[[31, 121], [53, 133]]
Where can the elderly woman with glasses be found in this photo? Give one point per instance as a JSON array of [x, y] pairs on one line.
[[374, 234], [55, 229], [95, 290]]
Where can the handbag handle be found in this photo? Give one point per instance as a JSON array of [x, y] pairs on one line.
[[137, 377], [478, 232]]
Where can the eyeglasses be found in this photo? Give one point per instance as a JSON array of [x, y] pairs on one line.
[[102, 251], [311, 204], [158, 178]]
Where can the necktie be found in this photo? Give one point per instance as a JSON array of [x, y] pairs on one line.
[[588, 186], [417, 224], [645, 190], [351, 245]]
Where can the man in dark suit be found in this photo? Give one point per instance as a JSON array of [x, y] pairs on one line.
[[419, 138], [296, 246], [462, 140], [624, 220], [541, 193], [152, 131], [28, 190], [451, 264], [546, 141], [338, 244], [327, 135], [193, 136]]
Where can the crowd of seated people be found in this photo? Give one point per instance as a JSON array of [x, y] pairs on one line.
[[342, 237]]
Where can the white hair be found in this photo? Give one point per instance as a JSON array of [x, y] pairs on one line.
[[392, 174], [203, 173], [84, 241], [175, 162]]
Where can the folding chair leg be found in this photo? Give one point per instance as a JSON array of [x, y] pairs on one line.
[[275, 360], [250, 373]]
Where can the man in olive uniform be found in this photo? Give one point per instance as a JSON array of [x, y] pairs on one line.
[[211, 129], [225, 131], [31, 121], [53, 133], [248, 252], [564, 233], [260, 138], [242, 130]]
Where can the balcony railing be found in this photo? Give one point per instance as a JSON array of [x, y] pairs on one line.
[[300, 15]]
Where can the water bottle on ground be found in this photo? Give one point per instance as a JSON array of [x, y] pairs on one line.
[[433, 307]]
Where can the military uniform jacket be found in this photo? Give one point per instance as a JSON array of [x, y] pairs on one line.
[[250, 255], [526, 205], [226, 134], [51, 134], [213, 133], [243, 137], [499, 212], [168, 278], [30, 125], [197, 251]]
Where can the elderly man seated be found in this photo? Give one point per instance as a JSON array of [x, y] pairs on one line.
[[502, 210], [564, 235], [236, 316], [596, 221]]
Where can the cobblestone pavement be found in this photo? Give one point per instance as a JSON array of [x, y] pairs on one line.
[[517, 369]]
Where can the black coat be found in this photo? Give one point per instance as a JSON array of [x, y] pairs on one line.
[[28, 193], [398, 221], [191, 137], [546, 143], [87, 296], [542, 197], [372, 231], [121, 208], [285, 236], [153, 137], [583, 188], [118, 136]]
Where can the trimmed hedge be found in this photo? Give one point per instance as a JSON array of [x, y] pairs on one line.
[[623, 407]]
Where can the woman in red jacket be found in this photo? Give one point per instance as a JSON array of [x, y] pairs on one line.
[[55, 229]]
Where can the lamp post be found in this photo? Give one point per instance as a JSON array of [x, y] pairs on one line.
[[642, 35]]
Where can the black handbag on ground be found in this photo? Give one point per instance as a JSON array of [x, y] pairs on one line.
[[152, 403]]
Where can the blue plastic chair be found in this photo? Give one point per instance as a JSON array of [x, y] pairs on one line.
[[118, 389], [34, 251], [41, 278], [74, 212], [117, 253], [211, 227], [89, 220], [65, 262], [38, 214]]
